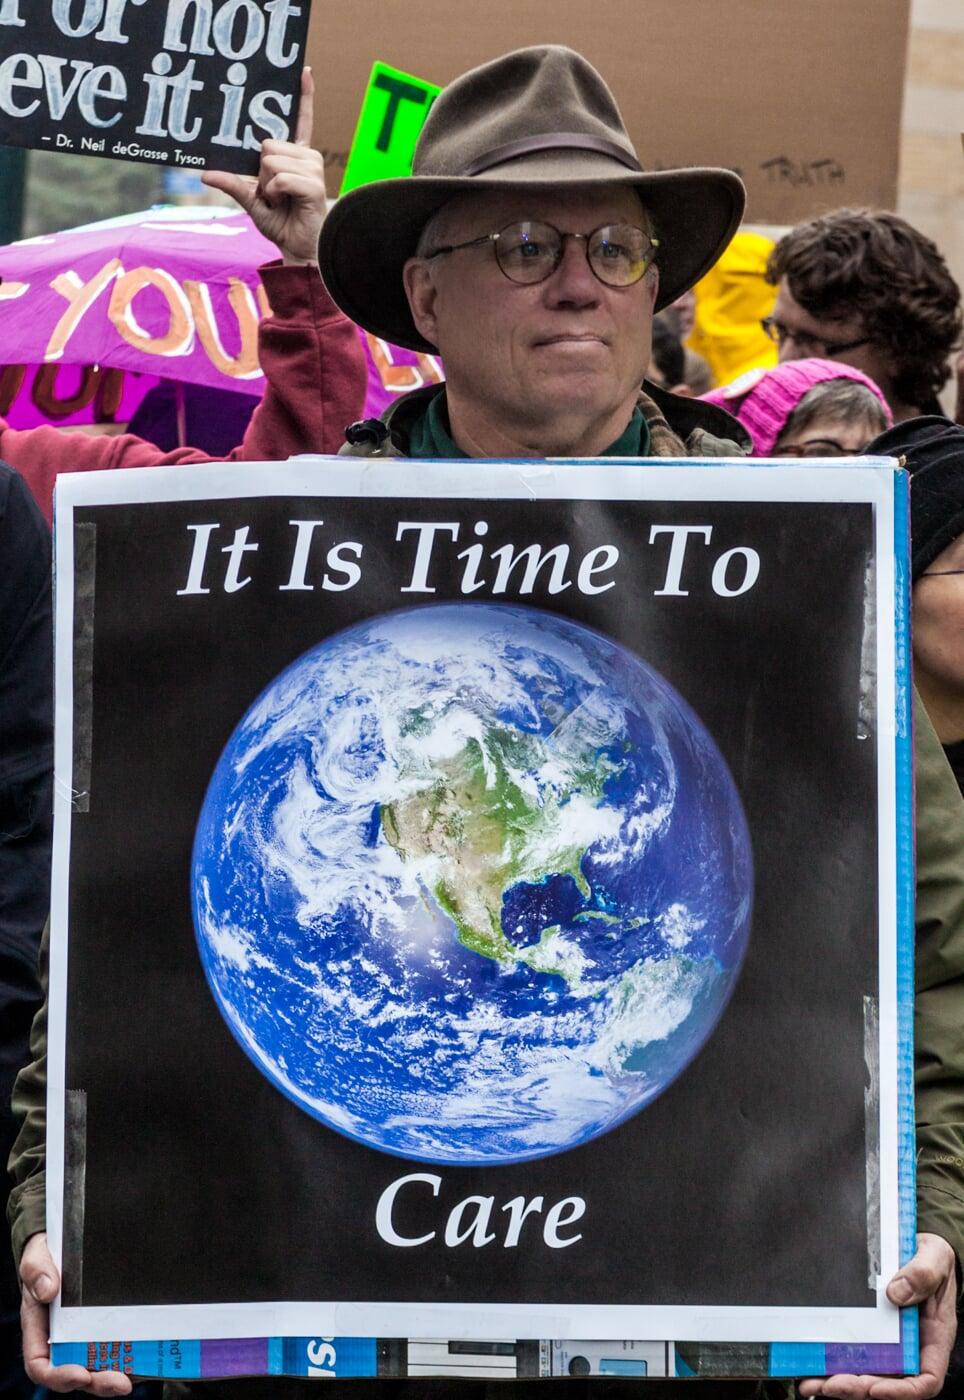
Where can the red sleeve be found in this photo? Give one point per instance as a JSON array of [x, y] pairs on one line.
[[316, 377], [315, 369]]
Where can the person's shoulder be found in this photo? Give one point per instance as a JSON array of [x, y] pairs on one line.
[[700, 429], [14, 492], [9, 480], [21, 520]]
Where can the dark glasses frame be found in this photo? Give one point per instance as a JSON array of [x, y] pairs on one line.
[[778, 333], [646, 261]]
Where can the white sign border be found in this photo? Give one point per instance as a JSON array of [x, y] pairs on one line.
[[869, 480]]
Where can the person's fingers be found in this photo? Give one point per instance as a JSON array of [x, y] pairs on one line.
[[285, 156], [938, 1327], [283, 159], [844, 1387], [242, 188], [35, 1325], [307, 184], [302, 187], [922, 1276], [922, 1387], [40, 1285], [38, 1272], [927, 1279], [108, 1383], [306, 109]]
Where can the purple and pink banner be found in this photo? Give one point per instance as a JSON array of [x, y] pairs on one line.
[[102, 313]]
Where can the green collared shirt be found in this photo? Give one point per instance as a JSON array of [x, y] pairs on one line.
[[431, 436]]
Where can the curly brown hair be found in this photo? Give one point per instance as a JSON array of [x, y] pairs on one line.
[[873, 263]]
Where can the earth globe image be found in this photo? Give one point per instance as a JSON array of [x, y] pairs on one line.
[[471, 883]]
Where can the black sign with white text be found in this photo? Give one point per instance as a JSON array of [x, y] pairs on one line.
[[487, 873], [189, 83]]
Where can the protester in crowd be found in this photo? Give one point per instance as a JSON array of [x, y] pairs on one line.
[[933, 451], [533, 263], [668, 364], [26, 807], [865, 288], [806, 408], [680, 318], [732, 302], [306, 344]]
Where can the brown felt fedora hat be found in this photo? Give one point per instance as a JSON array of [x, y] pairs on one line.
[[540, 117]]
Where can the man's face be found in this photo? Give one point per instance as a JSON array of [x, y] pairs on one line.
[[802, 336], [939, 622], [530, 357]]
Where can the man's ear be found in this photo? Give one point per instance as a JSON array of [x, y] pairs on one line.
[[421, 292]]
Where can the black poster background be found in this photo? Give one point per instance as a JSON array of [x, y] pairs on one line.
[[744, 1183], [141, 24]]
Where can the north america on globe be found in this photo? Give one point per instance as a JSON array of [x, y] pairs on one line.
[[472, 883]]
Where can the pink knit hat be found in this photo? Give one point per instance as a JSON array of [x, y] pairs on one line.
[[763, 399]]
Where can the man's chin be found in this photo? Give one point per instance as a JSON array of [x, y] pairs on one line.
[[578, 394]]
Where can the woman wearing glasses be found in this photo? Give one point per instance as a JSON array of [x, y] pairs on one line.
[[806, 408]]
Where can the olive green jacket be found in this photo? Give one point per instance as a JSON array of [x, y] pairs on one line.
[[939, 1001], [939, 983]]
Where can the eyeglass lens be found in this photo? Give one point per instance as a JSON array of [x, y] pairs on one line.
[[618, 254]]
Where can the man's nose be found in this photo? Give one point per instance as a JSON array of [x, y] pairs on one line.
[[573, 282]]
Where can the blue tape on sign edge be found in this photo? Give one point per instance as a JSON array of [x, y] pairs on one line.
[[69, 1354], [276, 1356], [798, 1359], [906, 876]]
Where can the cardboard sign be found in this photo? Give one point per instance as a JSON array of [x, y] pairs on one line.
[[395, 107], [491, 971], [760, 89], [190, 83]]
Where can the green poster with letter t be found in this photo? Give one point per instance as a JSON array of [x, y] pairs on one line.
[[393, 112]]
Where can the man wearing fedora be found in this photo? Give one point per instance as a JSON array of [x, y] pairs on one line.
[[531, 250]]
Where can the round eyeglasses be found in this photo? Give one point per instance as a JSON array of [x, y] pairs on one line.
[[530, 251]]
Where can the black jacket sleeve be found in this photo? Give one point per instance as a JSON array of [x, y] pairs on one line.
[[26, 762]]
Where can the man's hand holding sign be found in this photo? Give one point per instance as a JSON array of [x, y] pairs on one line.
[[286, 199]]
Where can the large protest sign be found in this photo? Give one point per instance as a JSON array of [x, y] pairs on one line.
[[507, 881], [732, 84], [191, 83]]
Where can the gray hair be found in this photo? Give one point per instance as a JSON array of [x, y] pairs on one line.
[[841, 400], [434, 233]]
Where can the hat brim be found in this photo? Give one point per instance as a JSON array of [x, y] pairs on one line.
[[372, 231]]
